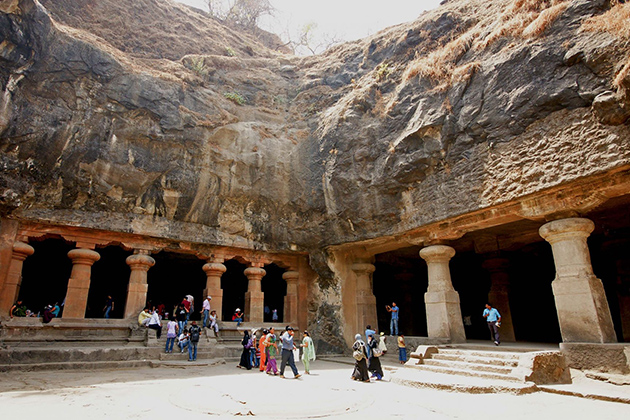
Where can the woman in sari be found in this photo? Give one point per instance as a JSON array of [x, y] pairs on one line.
[[308, 352], [359, 353], [263, 350], [245, 356]]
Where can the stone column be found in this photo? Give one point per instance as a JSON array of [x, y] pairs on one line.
[[11, 288], [254, 297], [79, 283], [214, 270], [291, 301], [139, 262], [365, 299], [444, 315], [581, 303], [498, 296]]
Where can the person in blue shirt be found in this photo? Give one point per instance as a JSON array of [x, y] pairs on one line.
[[493, 318], [368, 332], [393, 324]]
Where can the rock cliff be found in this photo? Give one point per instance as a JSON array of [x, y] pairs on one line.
[[150, 117]]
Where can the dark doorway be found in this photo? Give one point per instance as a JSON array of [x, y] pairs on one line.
[[45, 274], [110, 277], [234, 285], [275, 289], [173, 277]]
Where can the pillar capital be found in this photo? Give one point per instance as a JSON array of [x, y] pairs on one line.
[[255, 273], [363, 267], [214, 268], [566, 229], [22, 250], [83, 256], [291, 276], [437, 253], [140, 262]]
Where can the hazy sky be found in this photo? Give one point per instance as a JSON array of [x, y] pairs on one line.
[[348, 19]]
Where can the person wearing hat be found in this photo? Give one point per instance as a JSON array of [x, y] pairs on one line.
[[287, 353], [206, 311], [238, 317], [381, 343]]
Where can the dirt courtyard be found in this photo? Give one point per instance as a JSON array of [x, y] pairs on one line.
[[202, 391]]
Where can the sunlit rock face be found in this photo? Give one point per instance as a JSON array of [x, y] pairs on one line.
[[222, 140]]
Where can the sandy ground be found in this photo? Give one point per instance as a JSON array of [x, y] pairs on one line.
[[206, 391]]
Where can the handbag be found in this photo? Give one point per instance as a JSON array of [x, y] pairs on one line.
[[358, 355]]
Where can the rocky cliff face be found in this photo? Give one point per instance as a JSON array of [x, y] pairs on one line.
[[218, 139]]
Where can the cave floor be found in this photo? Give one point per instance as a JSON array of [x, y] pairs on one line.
[[220, 390]]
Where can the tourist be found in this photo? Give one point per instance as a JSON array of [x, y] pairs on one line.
[[257, 350], [381, 343], [368, 331], [195, 332], [267, 313], [155, 324], [393, 323], [18, 309], [359, 353], [308, 351], [237, 317], [109, 306], [402, 350], [262, 349], [214, 324], [374, 360], [287, 353], [245, 362], [183, 340], [182, 316], [274, 315], [191, 308], [171, 334], [144, 317], [206, 311], [48, 315], [493, 318], [55, 310], [272, 350], [252, 349], [185, 303]]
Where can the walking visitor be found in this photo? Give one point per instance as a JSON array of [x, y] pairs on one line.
[[360, 372], [287, 353], [308, 351]]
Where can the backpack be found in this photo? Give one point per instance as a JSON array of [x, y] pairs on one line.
[[194, 334]]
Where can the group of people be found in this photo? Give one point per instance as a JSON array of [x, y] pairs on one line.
[[19, 309], [367, 354], [260, 349]]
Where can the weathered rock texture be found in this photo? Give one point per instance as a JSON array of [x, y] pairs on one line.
[[149, 117]]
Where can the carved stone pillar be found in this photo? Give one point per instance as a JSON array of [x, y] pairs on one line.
[[139, 262], [11, 288], [498, 296], [365, 299], [214, 270], [444, 315], [583, 311], [254, 297], [79, 283], [291, 301]]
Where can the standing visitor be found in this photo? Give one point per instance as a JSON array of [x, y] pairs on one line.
[[191, 308], [402, 350], [109, 306], [206, 310], [272, 350], [181, 316], [493, 318], [274, 315], [359, 353], [171, 334], [393, 323], [195, 333], [287, 353], [263, 350], [308, 351], [374, 361], [156, 324], [246, 354], [381, 343], [186, 304], [368, 332]]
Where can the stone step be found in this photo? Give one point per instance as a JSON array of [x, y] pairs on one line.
[[464, 365], [476, 359], [503, 355], [466, 372], [110, 364]]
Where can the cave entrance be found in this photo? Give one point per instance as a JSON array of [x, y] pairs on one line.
[[174, 276], [45, 274], [110, 277], [275, 289], [234, 284]]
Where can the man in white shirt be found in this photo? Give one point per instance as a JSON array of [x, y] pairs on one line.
[[206, 311]]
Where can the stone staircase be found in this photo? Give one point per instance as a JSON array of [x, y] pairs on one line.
[[481, 370]]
